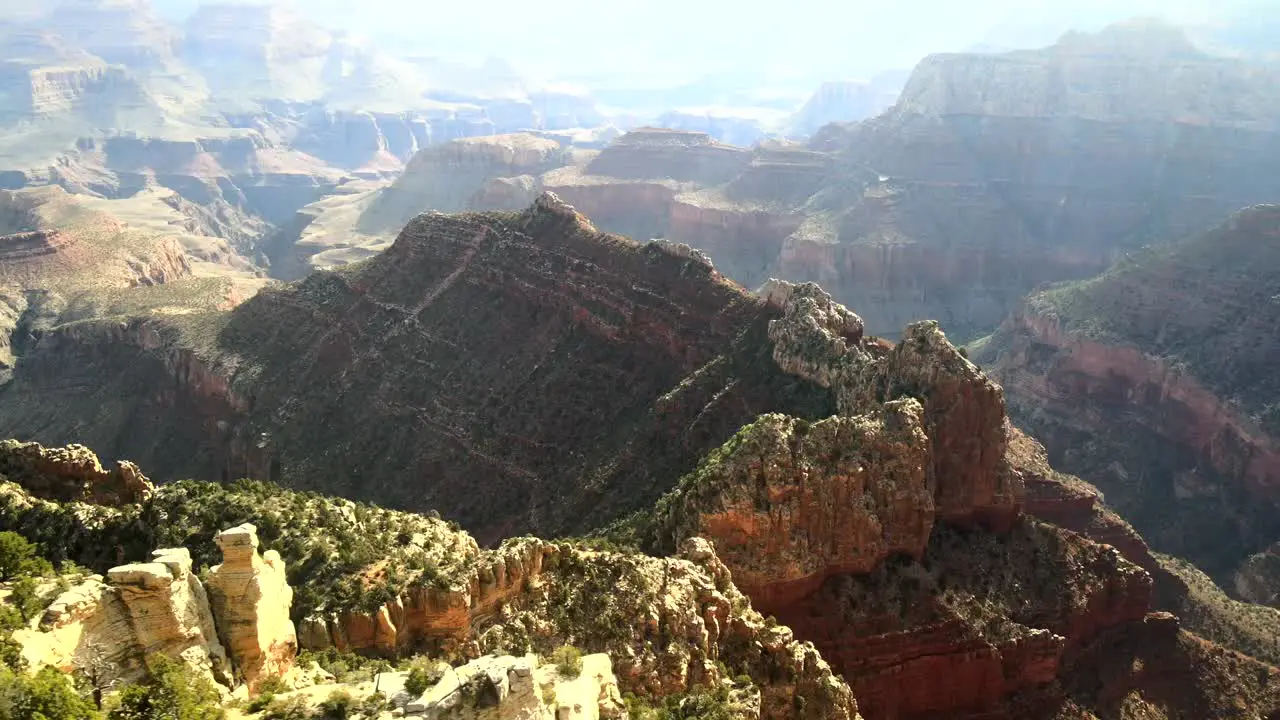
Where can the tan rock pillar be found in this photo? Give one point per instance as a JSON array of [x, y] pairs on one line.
[[251, 600]]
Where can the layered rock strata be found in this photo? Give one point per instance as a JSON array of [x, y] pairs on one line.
[[683, 156], [1169, 351], [251, 600], [567, 314], [108, 629], [455, 175]]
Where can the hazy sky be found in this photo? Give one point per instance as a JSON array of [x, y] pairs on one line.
[[825, 37]]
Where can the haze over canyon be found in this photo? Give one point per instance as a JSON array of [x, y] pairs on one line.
[[672, 361]]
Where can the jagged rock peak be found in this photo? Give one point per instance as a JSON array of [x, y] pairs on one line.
[[548, 207], [72, 473], [814, 333], [684, 252], [791, 503]]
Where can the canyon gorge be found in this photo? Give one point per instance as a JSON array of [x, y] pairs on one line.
[[949, 393]]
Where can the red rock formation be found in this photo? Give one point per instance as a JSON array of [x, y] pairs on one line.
[[1155, 382], [1187, 412], [977, 624], [32, 244], [790, 503], [640, 319], [744, 239], [639, 209], [71, 473]]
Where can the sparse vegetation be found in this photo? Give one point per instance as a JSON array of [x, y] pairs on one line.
[[19, 557], [423, 674], [568, 661], [172, 693], [292, 708], [345, 667], [699, 705], [340, 554]]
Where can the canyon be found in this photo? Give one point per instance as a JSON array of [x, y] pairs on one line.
[[1154, 382], [991, 174], [505, 377], [888, 533]]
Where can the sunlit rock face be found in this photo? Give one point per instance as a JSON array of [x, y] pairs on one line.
[[251, 601]]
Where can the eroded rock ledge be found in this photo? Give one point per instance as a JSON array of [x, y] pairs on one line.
[[111, 624], [72, 473]]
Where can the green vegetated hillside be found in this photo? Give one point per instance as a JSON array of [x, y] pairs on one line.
[[1208, 304]]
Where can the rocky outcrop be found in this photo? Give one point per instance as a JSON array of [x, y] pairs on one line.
[[1154, 382], [507, 686], [251, 601], [822, 341], [791, 503], [680, 352], [660, 154], [238, 631], [20, 246], [169, 611], [449, 176], [72, 474], [109, 628], [1257, 580], [99, 93], [679, 621]]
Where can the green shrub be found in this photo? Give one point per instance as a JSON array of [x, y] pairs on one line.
[[26, 598], [372, 706], [10, 650], [262, 702], [172, 693], [293, 708], [345, 667], [272, 685], [422, 675], [568, 660], [338, 706], [18, 557], [48, 695], [697, 705]]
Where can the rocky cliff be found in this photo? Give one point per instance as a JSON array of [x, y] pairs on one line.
[[110, 626], [891, 535], [1049, 164], [251, 599], [72, 474], [420, 587], [54, 249], [447, 177], [565, 316], [992, 174], [876, 508], [680, 155], [1154, 382]]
